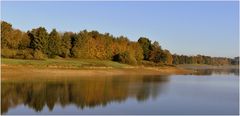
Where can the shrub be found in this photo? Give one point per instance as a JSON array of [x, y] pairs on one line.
[[8, 53], [150, 63], [38, 55], [25, 54], [57, 57], [125, 57]]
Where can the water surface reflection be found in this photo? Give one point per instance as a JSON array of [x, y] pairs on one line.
[[82, 92], [227, 71]]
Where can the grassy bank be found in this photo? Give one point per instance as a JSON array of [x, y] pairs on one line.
[[64, 63]]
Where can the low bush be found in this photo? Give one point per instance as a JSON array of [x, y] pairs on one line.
[[25, 54], [38, 55], [8, 53], [125, 58]]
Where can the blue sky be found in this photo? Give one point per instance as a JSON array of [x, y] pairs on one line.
[[209, 28]]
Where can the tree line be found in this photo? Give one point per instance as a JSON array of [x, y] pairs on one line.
[[39, 44], [202, 59]]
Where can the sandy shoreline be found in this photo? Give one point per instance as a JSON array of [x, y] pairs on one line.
[[9, 72]]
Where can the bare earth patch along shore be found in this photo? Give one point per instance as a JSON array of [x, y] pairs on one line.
[[11, 72], [20, 69]]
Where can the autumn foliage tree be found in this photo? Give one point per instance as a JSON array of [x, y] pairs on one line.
[[66, 45], [54, 44], [146, 46], [39, 39], [6, 34]]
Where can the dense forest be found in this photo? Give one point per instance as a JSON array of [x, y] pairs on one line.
[[39, 44]]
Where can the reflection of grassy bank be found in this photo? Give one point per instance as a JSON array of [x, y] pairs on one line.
[[12, 68]]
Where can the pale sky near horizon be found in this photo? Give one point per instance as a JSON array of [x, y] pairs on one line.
[[190, 28]]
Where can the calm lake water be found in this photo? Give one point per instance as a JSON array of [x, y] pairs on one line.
[[206, 92]]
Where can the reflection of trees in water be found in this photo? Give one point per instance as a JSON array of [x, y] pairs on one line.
[[82, 93], [157, 84], [216, 71]]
